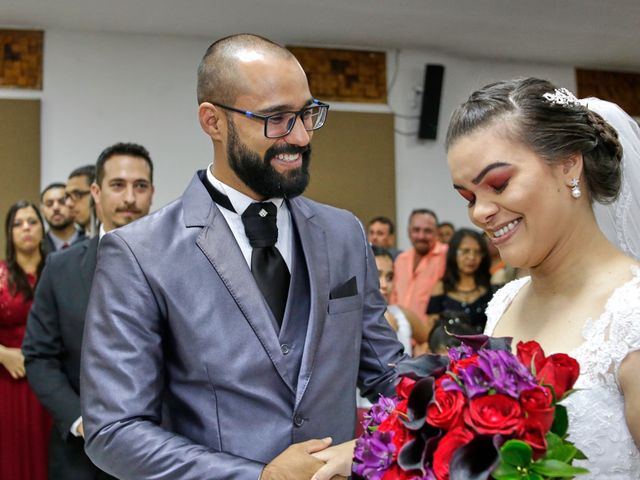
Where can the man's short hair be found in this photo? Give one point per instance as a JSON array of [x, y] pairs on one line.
[[88, 171], [51, 186], [217, 76], [121, 148], [446, 224], [385, 221], [423, 211]]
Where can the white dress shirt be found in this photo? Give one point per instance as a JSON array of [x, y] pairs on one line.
[[240, 202]]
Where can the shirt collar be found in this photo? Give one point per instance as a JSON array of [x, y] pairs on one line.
[[238, 200]]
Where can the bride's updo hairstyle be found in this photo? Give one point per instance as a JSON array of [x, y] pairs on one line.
[[554, 126]]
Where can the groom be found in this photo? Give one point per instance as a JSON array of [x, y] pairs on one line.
[[227, 332]]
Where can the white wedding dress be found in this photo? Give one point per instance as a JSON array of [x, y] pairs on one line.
[[596, 412]]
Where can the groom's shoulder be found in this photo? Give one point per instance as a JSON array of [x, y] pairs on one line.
[[326, 214]]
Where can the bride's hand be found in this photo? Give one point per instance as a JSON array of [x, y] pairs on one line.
[[337, 461]]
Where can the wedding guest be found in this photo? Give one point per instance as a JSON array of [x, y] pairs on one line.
[[445, 231], [381, 233], [78, 196], [24, 424], [123, 190], [62, 232], [530, 160], [465, 290]]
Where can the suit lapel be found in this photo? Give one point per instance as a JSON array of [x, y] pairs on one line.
[[314, 246], [219, 245]]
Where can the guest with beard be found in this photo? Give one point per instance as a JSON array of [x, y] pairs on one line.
[[62, 231], [227, 332]]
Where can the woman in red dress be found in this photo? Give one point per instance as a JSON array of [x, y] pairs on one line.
[[24, 424]]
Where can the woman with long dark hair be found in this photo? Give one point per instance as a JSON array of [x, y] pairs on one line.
[[24, 424], [465, 290]]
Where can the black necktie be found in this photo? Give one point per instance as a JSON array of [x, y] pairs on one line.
[[267, 265]]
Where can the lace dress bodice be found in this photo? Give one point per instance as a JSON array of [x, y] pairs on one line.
[[596, 412]]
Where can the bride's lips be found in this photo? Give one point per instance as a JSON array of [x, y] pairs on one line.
[[505, 231]]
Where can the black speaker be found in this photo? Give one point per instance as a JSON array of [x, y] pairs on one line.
[[431, 102]]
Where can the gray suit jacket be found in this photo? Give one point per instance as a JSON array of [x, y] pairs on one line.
[[177, 320]]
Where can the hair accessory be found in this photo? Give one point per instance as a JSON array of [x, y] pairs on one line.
[[563, 97], [575, 188]]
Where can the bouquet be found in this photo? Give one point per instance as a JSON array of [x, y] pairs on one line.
[[479, 412]]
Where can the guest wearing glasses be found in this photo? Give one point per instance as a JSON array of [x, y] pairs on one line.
[[79, 201], [245, 309], [464, 292], [62, 230]]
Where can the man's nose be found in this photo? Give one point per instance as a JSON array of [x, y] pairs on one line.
[[298, 134]]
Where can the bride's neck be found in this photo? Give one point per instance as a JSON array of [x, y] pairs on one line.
[[574, 262]]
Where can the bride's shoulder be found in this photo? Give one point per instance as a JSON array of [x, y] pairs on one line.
[[501, 301]]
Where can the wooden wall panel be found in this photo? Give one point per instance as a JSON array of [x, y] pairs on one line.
[[622, 88], [344, 75], [21, 58]]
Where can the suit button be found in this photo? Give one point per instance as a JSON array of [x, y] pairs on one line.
[[285, 349], [298, 420]]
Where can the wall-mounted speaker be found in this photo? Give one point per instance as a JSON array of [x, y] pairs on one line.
[[433, 75]]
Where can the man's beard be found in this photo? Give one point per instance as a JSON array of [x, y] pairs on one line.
[[59, 226], [258, 174]]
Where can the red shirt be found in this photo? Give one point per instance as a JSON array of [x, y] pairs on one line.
[[412, 288]]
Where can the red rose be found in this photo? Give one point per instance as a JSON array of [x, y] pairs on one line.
[[560, 371], [531, 355], [447, 446], [532, 432], [404, 387], [493, 414], [397, 473], [538, 404], [446, 410], [464, 363]]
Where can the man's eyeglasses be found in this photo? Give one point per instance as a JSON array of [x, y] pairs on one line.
[[280, 124], [76, 195]]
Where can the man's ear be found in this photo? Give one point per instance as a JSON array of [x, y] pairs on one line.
[[211, 120], [95, 193]]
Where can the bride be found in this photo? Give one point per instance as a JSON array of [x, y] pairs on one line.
[[530, 160]]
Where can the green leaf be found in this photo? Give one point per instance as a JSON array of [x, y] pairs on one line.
[[553, 440], [516, 452], [504, 471], [560, 421], [579, 455], [556, 469], [564, 453], [535, 476]]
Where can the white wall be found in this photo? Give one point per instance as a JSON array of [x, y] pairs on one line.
[[101, 88]]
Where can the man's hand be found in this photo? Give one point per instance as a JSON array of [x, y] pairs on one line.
[[13, 361], [296, 462], [338, 461]]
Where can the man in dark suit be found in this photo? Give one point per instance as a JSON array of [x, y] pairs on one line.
[[62, 232], [226, 332], [53, 338]]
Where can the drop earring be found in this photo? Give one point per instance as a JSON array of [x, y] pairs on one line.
[[575, 188]]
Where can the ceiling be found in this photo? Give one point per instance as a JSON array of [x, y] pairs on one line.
[[584, 33]]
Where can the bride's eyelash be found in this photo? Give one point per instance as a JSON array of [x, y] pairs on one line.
[[500, 188]]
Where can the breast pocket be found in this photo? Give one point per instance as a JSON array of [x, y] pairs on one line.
[[345, 304]]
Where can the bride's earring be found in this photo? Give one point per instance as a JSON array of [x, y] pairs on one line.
[[575, 188]]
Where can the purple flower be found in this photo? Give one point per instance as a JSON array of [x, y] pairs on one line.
[[458, 353], [474, 380], [505, 373], [379, 412], [373, 455]]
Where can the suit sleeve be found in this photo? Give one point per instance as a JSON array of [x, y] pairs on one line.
[[122, 382], [380, 350], [43, 348]]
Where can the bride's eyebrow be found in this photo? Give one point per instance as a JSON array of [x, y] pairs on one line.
[[487, 169]]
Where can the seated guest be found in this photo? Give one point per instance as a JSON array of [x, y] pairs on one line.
[[465, 289], [405, 323], [381, 233], [62, 231], [445, 232], [417, 270], [79, 198]]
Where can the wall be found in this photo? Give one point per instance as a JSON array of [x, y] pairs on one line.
[[100, 88]]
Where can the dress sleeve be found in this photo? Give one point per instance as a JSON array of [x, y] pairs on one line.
[[436, 304], [624, 329]]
